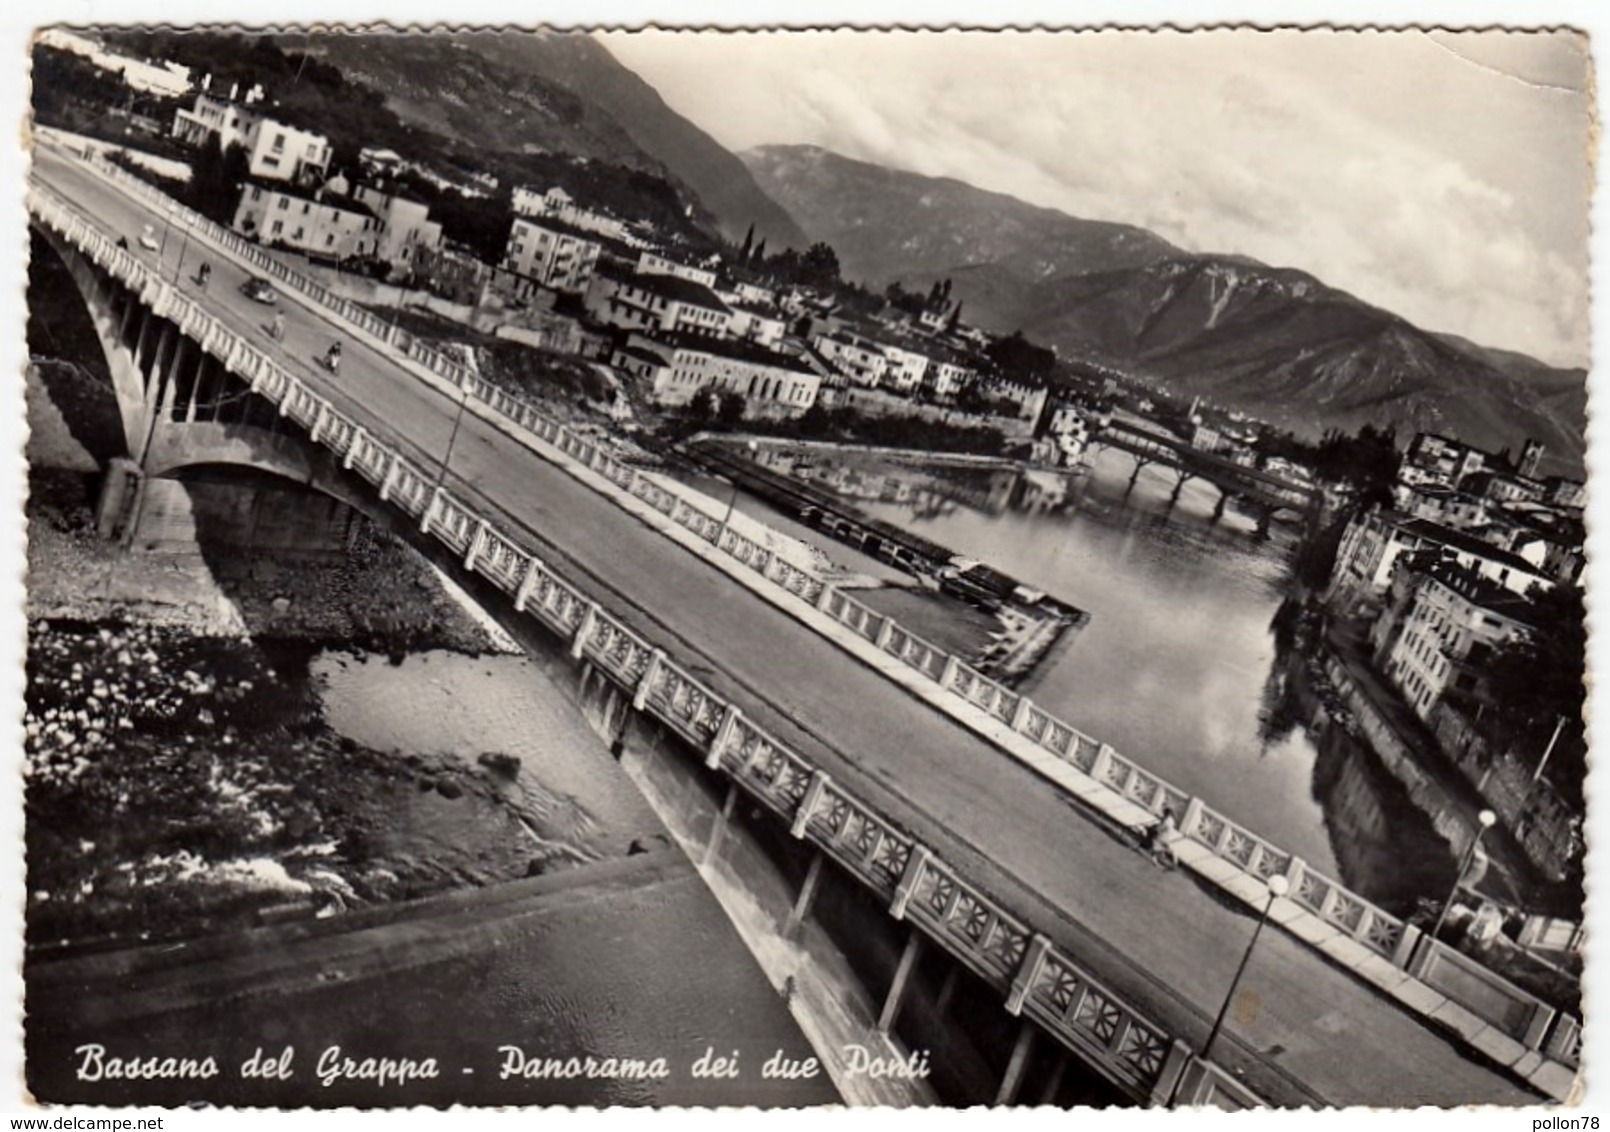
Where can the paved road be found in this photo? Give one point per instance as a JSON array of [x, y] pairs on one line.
[[1168, 945]]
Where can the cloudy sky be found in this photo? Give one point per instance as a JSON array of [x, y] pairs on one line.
[[1442, 176]]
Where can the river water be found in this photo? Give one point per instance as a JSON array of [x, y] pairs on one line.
[[1179, 666]]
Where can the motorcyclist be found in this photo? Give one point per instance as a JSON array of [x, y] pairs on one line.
[[332, 357], [204, 273]]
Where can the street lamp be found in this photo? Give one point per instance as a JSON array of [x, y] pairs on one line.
[[187, 221], [732, 500], [1278, 887], [1486, 819], [452, 439]]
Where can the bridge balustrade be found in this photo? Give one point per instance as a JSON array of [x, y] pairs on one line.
[[562, 606]]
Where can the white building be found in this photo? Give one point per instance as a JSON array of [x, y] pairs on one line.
[[906, 368], [1449, 621], [553, 253], [556, 204], [860, 360], [757, 325], [657, 263], [407, 233], [677, 368], [332, 227], [1375, 542], [274, 151], [169, 80], [663, 304]]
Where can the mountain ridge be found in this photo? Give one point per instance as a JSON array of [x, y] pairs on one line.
[[1277, 342], [559, 92]]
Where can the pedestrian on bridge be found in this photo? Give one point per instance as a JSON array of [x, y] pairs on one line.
[[1160, 839], [276, 329]]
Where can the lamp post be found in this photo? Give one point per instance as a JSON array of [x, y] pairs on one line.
[[732, 500], [188, 221], [1278, 887], [167, 224], [1486, 819], [452, 438], [1548, 750]]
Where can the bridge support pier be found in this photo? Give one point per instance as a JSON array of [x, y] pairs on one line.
[[902, 980], [947, 989], [119, 490], [806, 898], [1053, 1080], [1012, 1079], [719, 829]]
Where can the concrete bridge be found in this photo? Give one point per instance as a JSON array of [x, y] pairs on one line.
[[1268, 491], [981, 824]]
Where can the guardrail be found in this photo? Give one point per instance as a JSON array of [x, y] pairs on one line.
[[1036, 977], [1324, 897]]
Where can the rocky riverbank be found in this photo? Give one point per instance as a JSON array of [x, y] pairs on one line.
[[182, 776]]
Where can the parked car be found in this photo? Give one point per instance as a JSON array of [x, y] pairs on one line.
[[260, 290]]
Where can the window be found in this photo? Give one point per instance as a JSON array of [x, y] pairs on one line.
[[282, 204], [257, 193], [279, 227], [279, 143], [329, 239], [297, 235]]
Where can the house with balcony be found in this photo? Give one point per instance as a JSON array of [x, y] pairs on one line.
[[1439, 629], [553, 253], [274, 151]]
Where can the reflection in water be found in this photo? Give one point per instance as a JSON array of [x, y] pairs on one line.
[[1186, 665]]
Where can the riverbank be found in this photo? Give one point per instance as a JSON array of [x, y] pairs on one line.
[[193, 762]]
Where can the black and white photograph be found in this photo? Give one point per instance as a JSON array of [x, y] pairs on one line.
[[804, 568]]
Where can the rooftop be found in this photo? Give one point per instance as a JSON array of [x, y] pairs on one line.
[[1459, 540], [674, 288], [312, 196], [735, 348], [1480, 592]]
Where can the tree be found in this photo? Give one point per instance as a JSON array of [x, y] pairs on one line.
[[1368, 460], [819, 266], [730, 410], [705, 406], [1017, 356], [216, 177], [1539, 680]]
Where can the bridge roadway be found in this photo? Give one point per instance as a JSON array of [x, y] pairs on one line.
[[1316, 1035], [1142, 441]]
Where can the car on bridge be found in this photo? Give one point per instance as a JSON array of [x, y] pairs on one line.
[[260, 290]]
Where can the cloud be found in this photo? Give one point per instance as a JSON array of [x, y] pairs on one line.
[[1442, 179]]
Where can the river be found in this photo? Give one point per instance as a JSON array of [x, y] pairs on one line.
[[1179, 666]]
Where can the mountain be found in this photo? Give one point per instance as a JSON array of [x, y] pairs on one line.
[[1275, 342], [551, 92], [889, 225]]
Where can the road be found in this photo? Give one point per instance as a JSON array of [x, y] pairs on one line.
[[1159, 939]]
